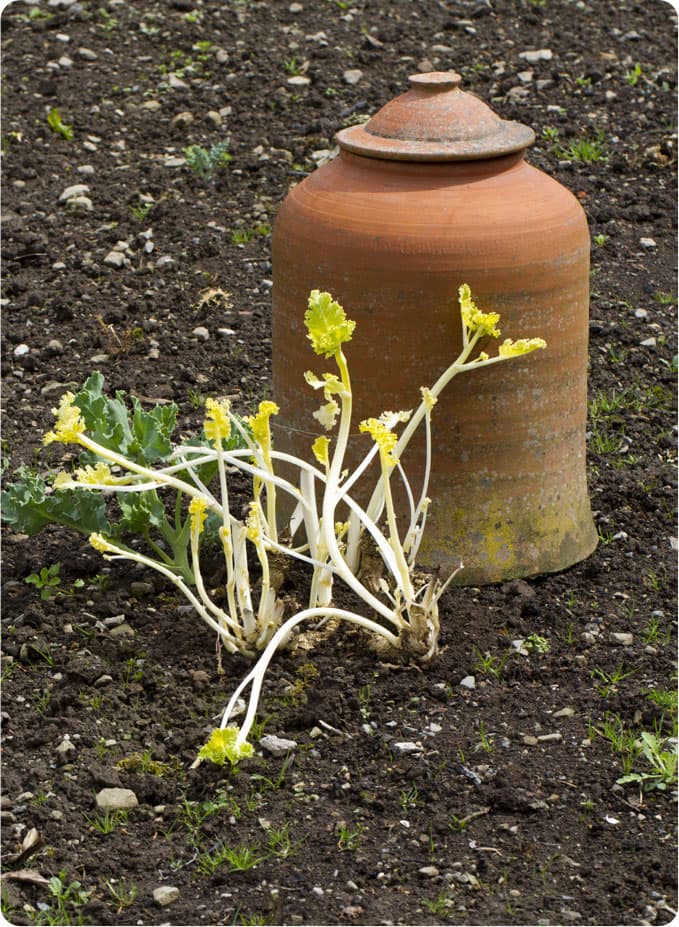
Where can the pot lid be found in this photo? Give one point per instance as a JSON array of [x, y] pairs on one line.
[[436, 121]]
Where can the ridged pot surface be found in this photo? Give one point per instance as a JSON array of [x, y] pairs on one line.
[[392, 241]]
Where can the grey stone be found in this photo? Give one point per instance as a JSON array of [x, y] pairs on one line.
[[429, 872], [116, 800], [201, 333], [165, 895], [540, 54], [76, 189], [87, 54], [299, 80], [469, 682], [352, 76], [407, 746], [553, 738], [277, 746], [115, 259], [623, 638]]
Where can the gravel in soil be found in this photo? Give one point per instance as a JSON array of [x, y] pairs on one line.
[[481, 789]]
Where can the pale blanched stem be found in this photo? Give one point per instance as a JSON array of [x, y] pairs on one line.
[[332, 493], [219, 614], [402, 576], [257, 673]]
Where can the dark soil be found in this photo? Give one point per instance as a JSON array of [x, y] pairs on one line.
[[509, 811]]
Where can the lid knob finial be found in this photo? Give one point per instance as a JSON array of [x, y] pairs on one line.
[[436, 80]]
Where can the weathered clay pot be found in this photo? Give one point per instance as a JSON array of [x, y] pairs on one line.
[[431, 193]]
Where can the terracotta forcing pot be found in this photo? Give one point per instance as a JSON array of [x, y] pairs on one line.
[[431, 193]]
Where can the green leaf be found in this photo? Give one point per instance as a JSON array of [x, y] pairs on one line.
[[327, 325], [153, 430], [144, 439], [57, 126], [140, 511], [28, 506]]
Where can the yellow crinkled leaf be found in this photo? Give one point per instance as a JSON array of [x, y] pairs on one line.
[[320, 448], [260, 422], [222, 747], [69, 423], [384, 438], [217, 425], [99, 542], [101, 473], [328, 328], [511, 348], [476, 321]]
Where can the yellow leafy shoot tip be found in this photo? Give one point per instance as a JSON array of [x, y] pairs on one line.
[[328, 328], [485, 323], [101, 473], [217, 425], [320, 449], [260, 422], [63, 480], [198, 513], [99, 542], [222, 747], [428, 398], [511, 348], [384, 438], [69, 424]]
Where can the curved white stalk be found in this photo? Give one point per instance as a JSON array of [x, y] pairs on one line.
[[256, 674]]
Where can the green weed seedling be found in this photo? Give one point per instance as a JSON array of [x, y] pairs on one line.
[[606, 683], [204, 162], [57, 126], [348, 838], [66, 900], [633, 76], [585, 150], [123, 895], [238, 859], [662, 760], [279, 842], [536, 643], [106, 823], [490, 665], [47, 580], [440, 905]]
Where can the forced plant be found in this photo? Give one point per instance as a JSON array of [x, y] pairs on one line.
[[177, 499]]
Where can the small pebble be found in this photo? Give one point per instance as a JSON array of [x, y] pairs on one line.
[[647, 243], [623, 638], [76, 189], [201, 333], [277, 746], [469, 682], [165, 895], [540, 54], [115, 259], [550, 738], [116, 800], [407, 746], [352, 76]]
